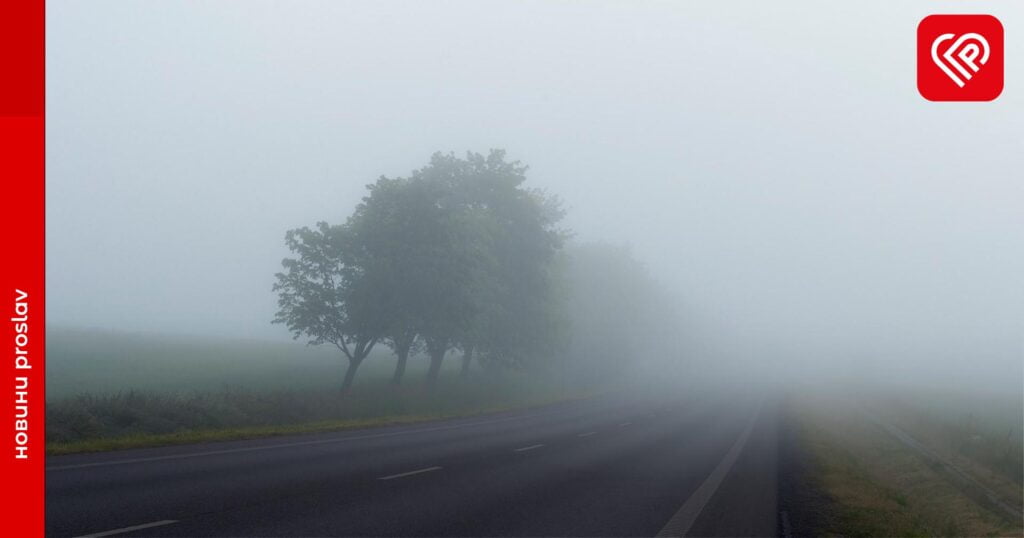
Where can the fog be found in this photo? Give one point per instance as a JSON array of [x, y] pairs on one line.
[[772, 165]]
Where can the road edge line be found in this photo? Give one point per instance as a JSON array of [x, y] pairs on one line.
[[687, 514], [123, 530]]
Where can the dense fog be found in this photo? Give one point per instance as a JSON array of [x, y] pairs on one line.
[[795, 210]]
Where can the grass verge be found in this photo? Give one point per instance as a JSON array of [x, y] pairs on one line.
[[873, 485], [148, 440], [111, 391]]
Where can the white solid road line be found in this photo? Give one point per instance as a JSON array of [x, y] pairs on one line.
[[588, 434], [683, 519], [625, 424], [297, 443], [130, 529], [525, 448], [410, 473]]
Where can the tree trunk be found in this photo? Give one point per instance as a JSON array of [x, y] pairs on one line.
[[403, 357], [350, 374], [435, 366], [467, 359]]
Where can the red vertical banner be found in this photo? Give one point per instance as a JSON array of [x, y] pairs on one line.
[[22, 275]]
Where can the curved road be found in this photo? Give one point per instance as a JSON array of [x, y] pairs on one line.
[[600, 467]]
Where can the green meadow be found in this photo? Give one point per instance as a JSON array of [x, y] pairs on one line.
[[109, 390]]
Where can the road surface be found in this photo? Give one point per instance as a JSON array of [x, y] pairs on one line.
[[599, 467]]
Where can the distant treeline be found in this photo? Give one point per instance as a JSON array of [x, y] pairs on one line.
[[461, 256]]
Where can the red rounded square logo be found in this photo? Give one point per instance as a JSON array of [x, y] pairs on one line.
[[960, 58]]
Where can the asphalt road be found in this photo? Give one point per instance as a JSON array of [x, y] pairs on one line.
[[599, 467]]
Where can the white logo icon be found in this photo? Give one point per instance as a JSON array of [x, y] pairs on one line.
[[962, 55]]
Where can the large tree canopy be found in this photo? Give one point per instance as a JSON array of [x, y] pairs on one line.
[[459, 254]]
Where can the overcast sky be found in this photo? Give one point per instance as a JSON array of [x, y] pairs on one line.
[[772, 162]]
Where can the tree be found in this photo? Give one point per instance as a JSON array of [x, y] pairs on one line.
[[523, 322], [623, 319], [325, 294], [482, 247], [387, 224], [458, 255], [453, 259], [417, 240]]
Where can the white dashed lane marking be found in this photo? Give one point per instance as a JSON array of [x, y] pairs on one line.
[[410, 473]]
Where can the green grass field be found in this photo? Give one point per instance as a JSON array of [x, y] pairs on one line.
[[99, 362], [114, 390]]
